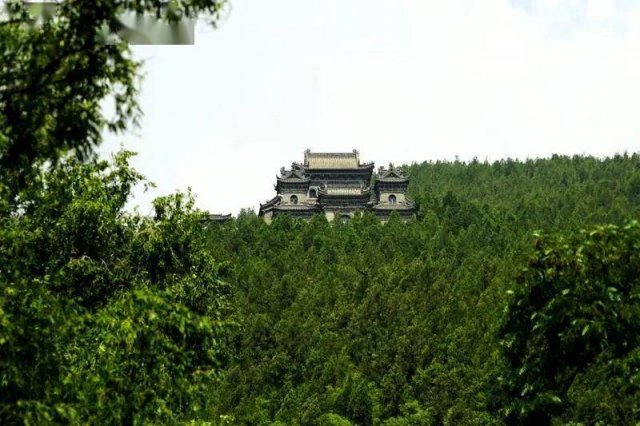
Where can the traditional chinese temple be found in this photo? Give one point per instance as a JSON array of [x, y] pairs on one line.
[[338, 185]]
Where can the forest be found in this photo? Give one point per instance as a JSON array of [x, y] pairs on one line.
[[512, 298], [507, 301]]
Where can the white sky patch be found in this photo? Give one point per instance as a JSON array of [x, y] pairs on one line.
[[401, 81]]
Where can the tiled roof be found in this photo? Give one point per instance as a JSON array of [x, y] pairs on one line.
[[216, 217], [391, 175], [331, 160], [272, 202]]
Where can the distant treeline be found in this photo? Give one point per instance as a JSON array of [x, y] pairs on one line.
[[506, 301]]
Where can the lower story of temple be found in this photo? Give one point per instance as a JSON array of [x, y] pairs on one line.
[[276, 207]]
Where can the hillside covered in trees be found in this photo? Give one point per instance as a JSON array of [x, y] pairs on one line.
[[493, 306], [513, 298]]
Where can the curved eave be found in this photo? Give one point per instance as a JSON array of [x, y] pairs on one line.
[[272, 202], [392, 180], [360, 168], [295, 207], [220, 216], [216, 217], [292, 180]]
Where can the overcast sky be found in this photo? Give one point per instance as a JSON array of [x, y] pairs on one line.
[[400, 80]]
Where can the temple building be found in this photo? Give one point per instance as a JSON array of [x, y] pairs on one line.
[[338, 185], [215, 218]]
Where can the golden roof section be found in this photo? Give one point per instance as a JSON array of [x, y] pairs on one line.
[[331, 160]]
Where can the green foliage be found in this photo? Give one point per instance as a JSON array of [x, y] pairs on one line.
[[106, 316], [399, 324], [112, 317], [572, 332], [56, 73]]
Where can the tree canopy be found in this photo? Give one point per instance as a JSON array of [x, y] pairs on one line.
[[58, 70], [434, 321], [106, 316]]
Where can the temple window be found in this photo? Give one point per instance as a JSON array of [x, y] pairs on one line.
[[294, 199], [313, 193], [345, 218], [392, 199]]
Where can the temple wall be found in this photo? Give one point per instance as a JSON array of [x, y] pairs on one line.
[[302, 197], [400, 197], [267, 217]]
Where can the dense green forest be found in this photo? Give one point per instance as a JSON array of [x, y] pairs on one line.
[[106, 316], [407, 324], [513, 298]]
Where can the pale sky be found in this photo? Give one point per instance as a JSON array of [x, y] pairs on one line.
[[401, 80]]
